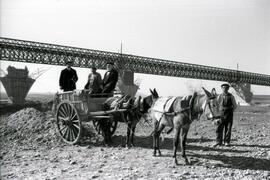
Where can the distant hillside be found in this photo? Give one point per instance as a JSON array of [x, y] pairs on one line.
[[261, 99], [43, 97]]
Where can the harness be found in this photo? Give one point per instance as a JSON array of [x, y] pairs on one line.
[[123, 102], [188, 110]]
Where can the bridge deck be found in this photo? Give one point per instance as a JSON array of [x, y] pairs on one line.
[[36, 52]]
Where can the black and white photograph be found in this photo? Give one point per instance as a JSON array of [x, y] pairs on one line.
[[135, 89]]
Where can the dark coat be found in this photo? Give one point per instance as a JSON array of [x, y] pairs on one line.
[[228, 105], [109, 81], [68, 79]]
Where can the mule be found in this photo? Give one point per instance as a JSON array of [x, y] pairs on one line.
[[179, 118], [131, 117]]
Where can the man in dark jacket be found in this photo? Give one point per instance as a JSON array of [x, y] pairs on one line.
[[227, 106], [68, 78], [110, 79]]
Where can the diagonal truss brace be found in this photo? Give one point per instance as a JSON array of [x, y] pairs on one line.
[[44, 53]]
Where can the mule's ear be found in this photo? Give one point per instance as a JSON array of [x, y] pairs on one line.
[[137, 101], [138, 98], [213, 92], [152, 92], [207, 92], [156, 94]]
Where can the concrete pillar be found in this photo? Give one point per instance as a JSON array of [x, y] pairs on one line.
[[126, 83], [17, 84], [243, 90]]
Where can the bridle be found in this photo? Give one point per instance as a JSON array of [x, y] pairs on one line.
[[211, 110]]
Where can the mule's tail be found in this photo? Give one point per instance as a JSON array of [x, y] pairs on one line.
[[161, 135]]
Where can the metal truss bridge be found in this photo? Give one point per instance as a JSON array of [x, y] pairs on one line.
[[43, 53]]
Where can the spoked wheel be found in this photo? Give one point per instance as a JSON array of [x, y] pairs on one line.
[[113, 125], [68, 123]]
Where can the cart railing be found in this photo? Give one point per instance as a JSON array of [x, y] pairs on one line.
[[82, 100]]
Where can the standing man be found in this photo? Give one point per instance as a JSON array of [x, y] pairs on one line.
[[94, 83], [227, 107], [110, 79], [68, 78]]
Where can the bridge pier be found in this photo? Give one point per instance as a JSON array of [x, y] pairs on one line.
[[243, 90], [126, 83], [17, 84]]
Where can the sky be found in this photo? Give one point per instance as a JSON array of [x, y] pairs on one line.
[[217, 33]]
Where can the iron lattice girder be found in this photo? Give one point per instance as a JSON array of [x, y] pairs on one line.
[[43, 53]]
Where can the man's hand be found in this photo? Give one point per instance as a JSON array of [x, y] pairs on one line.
[[74, 79], [217, 122]]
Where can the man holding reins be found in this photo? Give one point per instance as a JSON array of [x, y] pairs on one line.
[[227, 107]]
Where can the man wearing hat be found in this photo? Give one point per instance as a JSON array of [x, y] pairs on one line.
[[227, 107], [94, 83], [68, 78], [110, 79]]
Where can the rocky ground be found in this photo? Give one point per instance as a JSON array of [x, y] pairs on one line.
[[31, 149]]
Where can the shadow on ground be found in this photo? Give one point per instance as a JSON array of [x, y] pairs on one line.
[[253, 145], [197, 149], [146, 142], [237, 162]]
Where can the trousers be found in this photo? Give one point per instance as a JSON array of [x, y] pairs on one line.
[[224, 129]]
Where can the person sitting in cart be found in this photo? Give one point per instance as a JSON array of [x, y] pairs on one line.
[[68, 78], [94, 82], [110, 79]]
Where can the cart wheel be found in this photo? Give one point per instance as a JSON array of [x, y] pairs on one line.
[[68, 123]]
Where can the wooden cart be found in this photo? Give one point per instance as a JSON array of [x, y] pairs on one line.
[[74, 107]]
